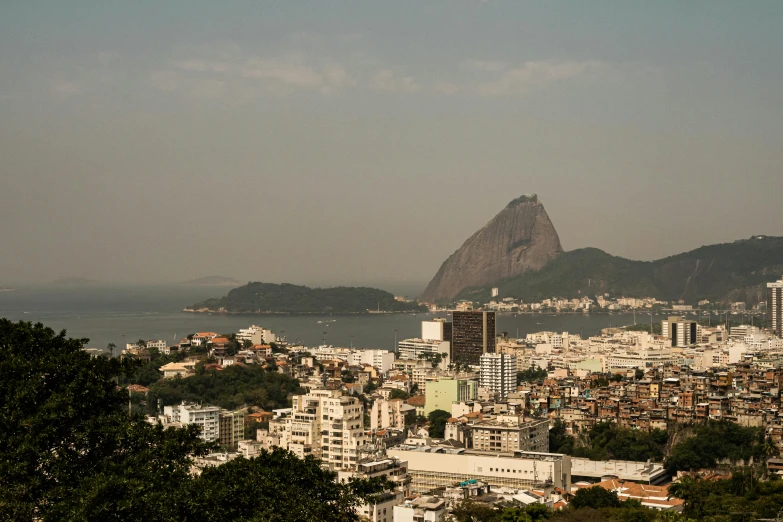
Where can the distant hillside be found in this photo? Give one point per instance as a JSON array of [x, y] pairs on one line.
[[75, 281], [287, 298], [212, 281], [735, 271]]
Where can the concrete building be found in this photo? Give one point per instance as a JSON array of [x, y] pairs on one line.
[[499, 373], [682, 332], [413, 349], [231, 428], [256, 335], [324, 424], [473, 334], [441, 394], [510, 433], [206, 417], [395, 471], [439, 467], [640, 358], [180, 369], [436, 330], [421, 509], [775, 306], [388, 414], [381, 359]]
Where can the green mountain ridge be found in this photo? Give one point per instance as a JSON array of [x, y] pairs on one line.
[[258, 297], [726, 272]]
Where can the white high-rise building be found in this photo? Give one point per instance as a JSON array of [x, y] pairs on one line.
[[207, 417], [775, 307], [682, 332], [499, 373], [324, 424]]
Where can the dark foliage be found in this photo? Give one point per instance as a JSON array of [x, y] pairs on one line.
[[532, 374], [607, 440], [268, 297], [437, 420], [595, 497], [229, 388], [715, 441]]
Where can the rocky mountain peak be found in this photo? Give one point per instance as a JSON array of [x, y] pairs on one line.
[[519, 239]]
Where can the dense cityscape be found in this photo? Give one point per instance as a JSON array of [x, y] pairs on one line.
[[464, 413]]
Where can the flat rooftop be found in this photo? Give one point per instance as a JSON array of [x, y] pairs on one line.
[[624, 469]]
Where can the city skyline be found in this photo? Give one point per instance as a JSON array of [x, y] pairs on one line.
[[363, 143]]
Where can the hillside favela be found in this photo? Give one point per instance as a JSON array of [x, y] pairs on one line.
[[385, 350]]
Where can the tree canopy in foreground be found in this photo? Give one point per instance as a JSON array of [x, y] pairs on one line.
[[69, 451]]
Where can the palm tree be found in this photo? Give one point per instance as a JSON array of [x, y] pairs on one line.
[[111, 347], [687, 489]]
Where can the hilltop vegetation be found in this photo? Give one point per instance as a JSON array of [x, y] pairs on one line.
[[230, 388], [734, 271], [288, 298]]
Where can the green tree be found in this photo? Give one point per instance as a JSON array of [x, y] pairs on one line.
[[690, 491], [278, 486], [532, 374], [398, 394], [559, 440], [68, 450], [513, 514], [437, 420], [595, 497], [471, 511]]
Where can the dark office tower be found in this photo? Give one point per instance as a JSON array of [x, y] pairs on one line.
[[447, 331], [472, 334], [775, 307]]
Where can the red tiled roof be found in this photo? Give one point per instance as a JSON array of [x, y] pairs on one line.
[[417, 400]]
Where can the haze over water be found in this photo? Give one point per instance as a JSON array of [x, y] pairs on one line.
[[125, 314]]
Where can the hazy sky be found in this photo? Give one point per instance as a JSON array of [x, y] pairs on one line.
[[332, 142]]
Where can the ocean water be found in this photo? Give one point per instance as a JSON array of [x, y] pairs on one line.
[[121, 315]]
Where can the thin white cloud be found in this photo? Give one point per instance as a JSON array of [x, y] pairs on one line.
[[236, 71], [446, 88], [67, 88], [387, 80], [486, 65], [533, 75]]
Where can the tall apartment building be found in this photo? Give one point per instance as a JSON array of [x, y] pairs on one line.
[[388, 414], [473, 334], [775, 306], [509, 433], [231, 428], [498, 373], [324, 424], [682, 332], [207, 417]]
